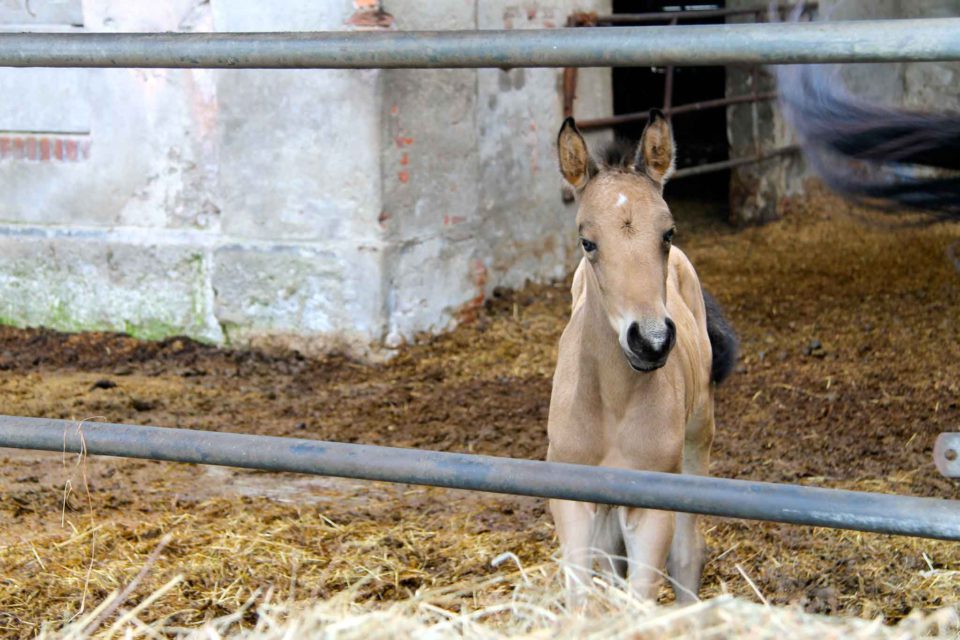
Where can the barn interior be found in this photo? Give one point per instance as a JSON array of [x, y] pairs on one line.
[[849, 368], [701, 136]]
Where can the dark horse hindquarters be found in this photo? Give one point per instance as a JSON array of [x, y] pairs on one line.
[[886, 155], [723, 340]]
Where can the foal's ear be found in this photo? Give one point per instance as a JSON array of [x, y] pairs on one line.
[[655, 153], [576, 165]]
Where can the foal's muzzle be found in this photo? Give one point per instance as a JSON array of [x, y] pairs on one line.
[[648, 351]]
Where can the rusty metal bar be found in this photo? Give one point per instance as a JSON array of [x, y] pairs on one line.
[[569, 90], [668, 84], [925, 39], [640, 116], [900, 515], [733, 163]]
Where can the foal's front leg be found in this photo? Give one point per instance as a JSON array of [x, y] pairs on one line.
[[574, 524], [689, 549], [647, 534]]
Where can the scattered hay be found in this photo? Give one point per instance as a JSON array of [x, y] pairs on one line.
[[222, 556], [860, 413], [526, 604]]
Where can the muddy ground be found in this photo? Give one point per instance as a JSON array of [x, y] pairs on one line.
[[860, 411]]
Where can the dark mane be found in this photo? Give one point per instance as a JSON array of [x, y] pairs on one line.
[[618, 155]]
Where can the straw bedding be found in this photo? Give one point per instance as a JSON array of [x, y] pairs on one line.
[[850, 367]]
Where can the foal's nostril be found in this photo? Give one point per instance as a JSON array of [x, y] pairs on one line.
[[671, 335], [634, 339]]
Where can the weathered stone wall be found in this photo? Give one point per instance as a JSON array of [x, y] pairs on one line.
[[307, 208], [757, 191], [470, 180]]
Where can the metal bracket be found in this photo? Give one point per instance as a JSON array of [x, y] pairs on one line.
[[946, 454]]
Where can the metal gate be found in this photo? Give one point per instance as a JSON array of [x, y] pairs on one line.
[[780, 43]]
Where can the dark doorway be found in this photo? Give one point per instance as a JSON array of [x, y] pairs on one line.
[[701, 136]]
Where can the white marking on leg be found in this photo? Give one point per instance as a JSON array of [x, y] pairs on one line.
[[574, 522], [646, 534]]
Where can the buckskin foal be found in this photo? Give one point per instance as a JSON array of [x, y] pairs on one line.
[[637, 366]]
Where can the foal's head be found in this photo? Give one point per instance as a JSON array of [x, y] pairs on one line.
[[626, 231]]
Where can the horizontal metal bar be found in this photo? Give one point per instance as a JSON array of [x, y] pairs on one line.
[[776, 43], [923, 517], [641, 116], [667, 16], [692, 14], [701, 169], [946, 454]]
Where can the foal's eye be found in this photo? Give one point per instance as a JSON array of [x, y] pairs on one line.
[[668, 236], [588, 246]]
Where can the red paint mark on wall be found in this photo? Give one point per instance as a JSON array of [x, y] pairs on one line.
[[529, 15], [404, 176], [470, 311], [394, 110], [451, 220], [403, 142], [405, 159], [43, 148], [369, 15]]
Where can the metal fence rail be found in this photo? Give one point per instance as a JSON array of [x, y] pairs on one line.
[[855, 41], [922, 517]]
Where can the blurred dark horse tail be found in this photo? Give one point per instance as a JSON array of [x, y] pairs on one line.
[[881, 155]]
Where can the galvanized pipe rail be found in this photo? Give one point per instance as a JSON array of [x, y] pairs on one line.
[[776, 43], [922, 517]]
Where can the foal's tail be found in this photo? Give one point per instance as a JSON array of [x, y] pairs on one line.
[[884, 155], [723, 340]]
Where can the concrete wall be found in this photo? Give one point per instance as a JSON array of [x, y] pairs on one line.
[[472, 191], [312, 209], [758, 191]]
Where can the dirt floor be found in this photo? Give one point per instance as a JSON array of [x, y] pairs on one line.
[[850, 368]]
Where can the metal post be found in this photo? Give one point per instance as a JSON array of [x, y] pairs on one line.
[[668, 84], [923, 517], [779, 43], [946, 454], [569, 90]]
